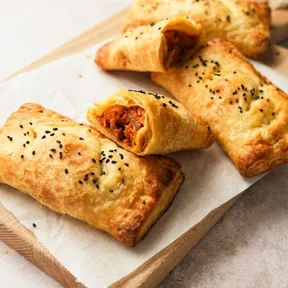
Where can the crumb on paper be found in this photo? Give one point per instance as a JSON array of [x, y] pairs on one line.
[[80, 75], [6, 252], [88, 56]]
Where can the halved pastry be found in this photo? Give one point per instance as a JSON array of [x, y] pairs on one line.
[[152, 47], [245, 23], [247, 114], [72, 169], [147, 123]]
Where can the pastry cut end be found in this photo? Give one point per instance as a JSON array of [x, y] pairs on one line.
[[181, 36], [121, 124]]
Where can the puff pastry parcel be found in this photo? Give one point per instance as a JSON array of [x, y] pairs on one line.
[[73, 170], [244, 23], [247, 114], [150, 48], [147, 123]]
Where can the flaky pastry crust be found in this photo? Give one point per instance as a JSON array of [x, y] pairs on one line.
[[247, 114], [163, 125], [246, 24], [150, 48], [72, 169]]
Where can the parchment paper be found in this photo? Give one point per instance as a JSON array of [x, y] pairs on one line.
[[69, 86]]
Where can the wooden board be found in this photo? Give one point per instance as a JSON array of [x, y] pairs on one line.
[[152, 272]]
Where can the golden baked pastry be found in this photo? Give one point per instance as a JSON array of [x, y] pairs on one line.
[[247, 114], [72, 169], [147, 123], [150, 48], [244, 23]]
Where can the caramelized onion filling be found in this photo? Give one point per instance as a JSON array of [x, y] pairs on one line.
[[178, 44], [123, 122]]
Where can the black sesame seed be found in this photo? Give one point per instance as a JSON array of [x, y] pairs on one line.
[[107, 161], [97, 186], [33, 153], [103, 173], [164, 104], [111, 190], [43, 137], [110, 156], [34, 225], [113, 162], [55, 129], [119, 168], [234, 72], [58, 141], [22, 156], [50, 155], [94, 181], [261, 110], [273, 113], [60, 146], [21, 126], [52, 134], [47, 132], [31, 123], [63, 134], [126, 164], [27, 142], [92, 173], [60, 155], [80, 138], [66, 171], [24, 145], [53, 150], [80, 182], [93, 160], [109, 151]]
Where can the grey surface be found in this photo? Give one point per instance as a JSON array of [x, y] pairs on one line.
[[248, 247]]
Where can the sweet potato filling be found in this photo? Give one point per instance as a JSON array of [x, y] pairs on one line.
[[178, 43], [123, 122]]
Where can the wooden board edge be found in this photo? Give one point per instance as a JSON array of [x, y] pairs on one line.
[[22, 240], [148, 275], [153, 271]]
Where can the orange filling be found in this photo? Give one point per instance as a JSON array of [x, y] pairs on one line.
[[178, 44], [123, 122]]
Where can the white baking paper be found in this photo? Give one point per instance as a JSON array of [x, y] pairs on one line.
[[70, 86]]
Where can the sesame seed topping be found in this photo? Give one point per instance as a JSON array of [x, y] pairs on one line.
[[53, 150], [21, 126], [261, 110], [113, 162], [50, 155], [97, 186], [93, 160], [80, 182], [80, 138], [52, 134], [22, 156], [55, 129], [33, 153], [126, 164], [43, 137], [66, 171], [47, 132]]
